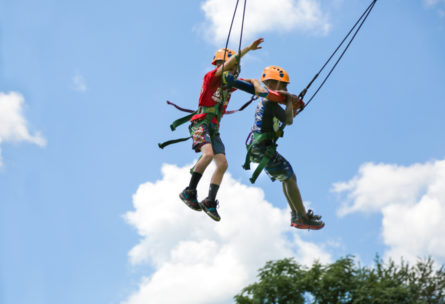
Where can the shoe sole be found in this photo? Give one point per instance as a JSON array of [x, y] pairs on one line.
[[309, 227], [181, 196], [204, 208]]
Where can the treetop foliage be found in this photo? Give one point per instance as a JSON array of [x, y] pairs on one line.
[[345, 281]]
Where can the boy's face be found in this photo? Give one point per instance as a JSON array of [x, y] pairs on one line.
[[276, 85], [235, 70]]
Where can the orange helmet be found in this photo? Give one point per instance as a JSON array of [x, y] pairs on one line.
[[276, 73], [219, 55]]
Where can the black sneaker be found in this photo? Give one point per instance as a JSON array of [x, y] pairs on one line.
[[188, 196], [310, 221], [314, 216], [294, 216], [209, 207]]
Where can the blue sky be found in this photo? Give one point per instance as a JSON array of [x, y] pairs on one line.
[[88, 203]]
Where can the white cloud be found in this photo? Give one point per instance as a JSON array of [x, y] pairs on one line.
[[411, 200], [79, 83], [13, 125], [197, 260], [263, 16]]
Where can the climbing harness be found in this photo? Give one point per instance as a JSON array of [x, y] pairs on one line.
[[270, 152], [187, 118], [260, 138]]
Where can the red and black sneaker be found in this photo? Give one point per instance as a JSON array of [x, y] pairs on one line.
[[188, 196], [209, 206], [309, 221]]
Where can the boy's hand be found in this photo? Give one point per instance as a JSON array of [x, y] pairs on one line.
[[293, 101], [259, 90], [255, 44], [290, 97]]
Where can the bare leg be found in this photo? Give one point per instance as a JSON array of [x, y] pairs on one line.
[[206, 158], [293, 194], [288, 198], [221, 167]]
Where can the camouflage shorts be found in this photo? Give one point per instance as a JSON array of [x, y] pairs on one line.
[[201, 135], [277, 167]]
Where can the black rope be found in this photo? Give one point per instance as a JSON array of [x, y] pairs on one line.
[[360, 21], [227, 42], [241, 37]]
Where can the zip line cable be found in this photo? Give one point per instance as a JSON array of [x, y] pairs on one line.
[[227, 42], [360, 21], [241, 34]]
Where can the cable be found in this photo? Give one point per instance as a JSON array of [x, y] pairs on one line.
[[361, 20]]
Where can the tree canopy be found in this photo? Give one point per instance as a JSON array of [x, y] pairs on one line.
[[345, 281]]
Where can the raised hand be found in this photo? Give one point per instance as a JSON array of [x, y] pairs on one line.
[[256, 44]]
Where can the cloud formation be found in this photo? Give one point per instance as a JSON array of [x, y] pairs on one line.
[[263, 16], [196, 259], [411, 200], [13, 125]]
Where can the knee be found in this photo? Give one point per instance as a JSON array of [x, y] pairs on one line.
[[225, 165], [291, 180], [222, 165], [207, 156]]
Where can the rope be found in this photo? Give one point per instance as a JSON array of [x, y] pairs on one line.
[[241, 35], [227, 42], [228, 38], [361, 20]]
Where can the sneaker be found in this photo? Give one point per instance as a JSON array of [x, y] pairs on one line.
[[310, 212], [314, 216], [188, 196], [209, 207], [310, 221], [293, 217]]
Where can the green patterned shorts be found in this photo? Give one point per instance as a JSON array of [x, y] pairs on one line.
[[201, 135]]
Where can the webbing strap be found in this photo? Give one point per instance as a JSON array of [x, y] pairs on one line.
[[180, 108], [181, 121], [266, 158], [213, 111], [246, 165], [210, 111], [260, 137], [270, 151], [173, 141]]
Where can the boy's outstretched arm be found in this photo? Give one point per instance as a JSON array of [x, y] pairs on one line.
[[257, 86], [231, 62]]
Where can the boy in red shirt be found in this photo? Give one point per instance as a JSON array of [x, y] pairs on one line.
[[213, 102]]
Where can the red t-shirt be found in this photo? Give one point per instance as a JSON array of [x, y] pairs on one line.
[[211, 94]]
